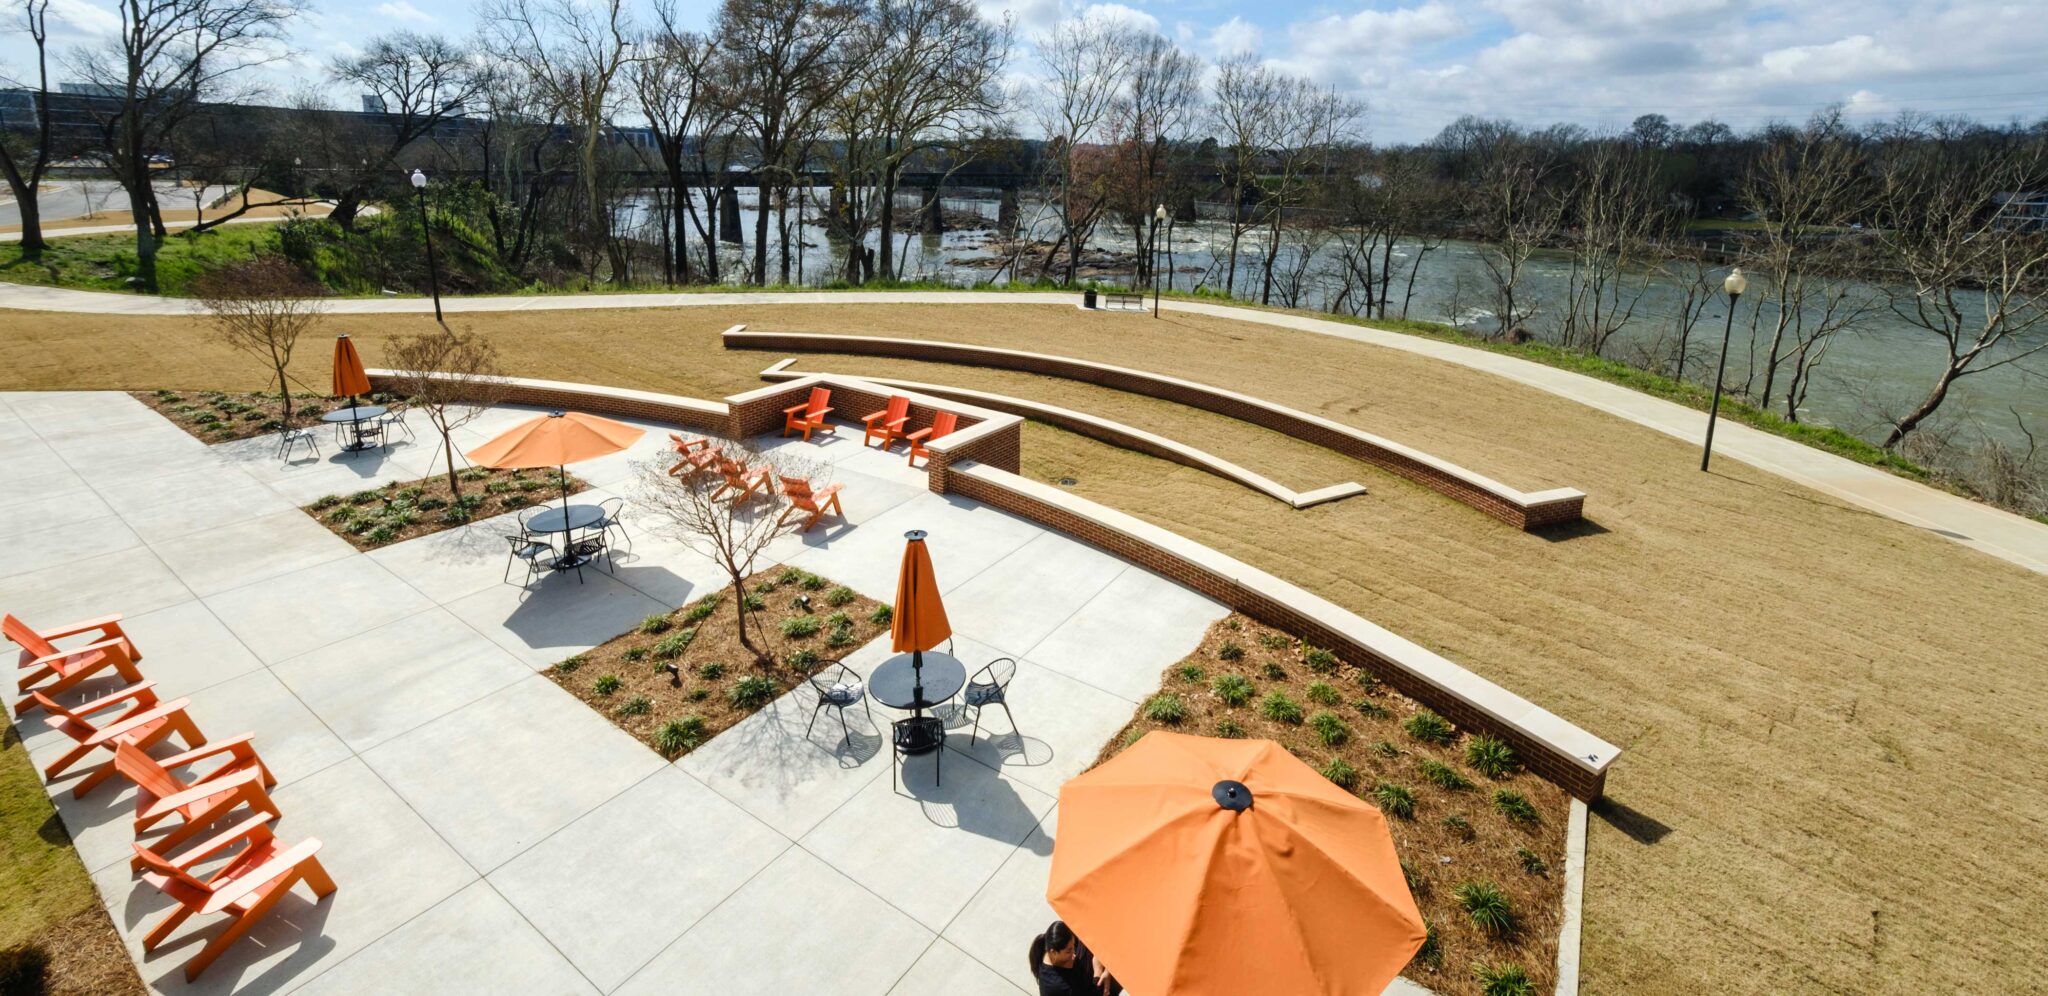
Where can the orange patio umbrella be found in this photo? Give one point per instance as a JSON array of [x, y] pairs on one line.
[[1194, 865], [919, 622], [349, 378], [556, 440]]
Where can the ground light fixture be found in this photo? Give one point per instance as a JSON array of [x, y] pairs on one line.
[[419, 187], [1158, 215], [1734, 285]]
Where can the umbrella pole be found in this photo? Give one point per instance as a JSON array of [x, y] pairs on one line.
[[917, 680]]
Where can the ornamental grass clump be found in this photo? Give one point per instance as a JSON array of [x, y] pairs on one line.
[[1488, 908], [1322, 693], [1341, 773], [1229, 651], [656, 624], [1504, 980], [1394, 800], [1430, 728], [606, 684], [1232, 689], [1319, 660], [798, 627], [1443, 776], [1277, 707], [1515, 807], [1329, 729], [679, 735], [752, 692], [1166, 707], [1491, 756]]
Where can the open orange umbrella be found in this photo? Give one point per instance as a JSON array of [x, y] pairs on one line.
[[349, 378], [1195, 865], [556, 439], [919, 623]]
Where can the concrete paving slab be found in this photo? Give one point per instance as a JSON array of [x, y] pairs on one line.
[[928, 843], [41, 513], [996, 926], [964, 540], [214, 560], [499, 775], [1024, 597], [131, 581], [289, 615], [56, 545], [37, 476], [558, 616], [783, 777], [186, 648], [293, 742], [388, 867], [862, 944], [178, 504], [574, 884], [1061, 725], [379, 684], [1130, 633], [944, 968], [472, 942], [454, 562]]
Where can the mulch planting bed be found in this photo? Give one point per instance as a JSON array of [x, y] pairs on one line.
[[1472, 827], [683, 677], [225, 416], [403, 510]]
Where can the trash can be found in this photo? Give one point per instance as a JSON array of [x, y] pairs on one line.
[[1088, 299]]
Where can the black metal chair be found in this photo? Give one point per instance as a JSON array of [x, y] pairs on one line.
[[292, 438], [990, 686], [394, 419], [532, 551], [919, 735], [591, 547], [614, 518], [838, 686]]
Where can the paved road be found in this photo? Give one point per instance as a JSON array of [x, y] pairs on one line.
[[2001, 534]]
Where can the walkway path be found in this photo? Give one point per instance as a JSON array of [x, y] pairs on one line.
[[2001, 534]]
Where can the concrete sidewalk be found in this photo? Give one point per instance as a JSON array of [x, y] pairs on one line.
[[2001, 534]]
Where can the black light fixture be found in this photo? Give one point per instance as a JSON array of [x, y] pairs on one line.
[[1158, 215], [419, 187], [1734, 285]]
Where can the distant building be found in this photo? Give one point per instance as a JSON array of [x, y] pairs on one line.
[[2025, 210], [373, 104]]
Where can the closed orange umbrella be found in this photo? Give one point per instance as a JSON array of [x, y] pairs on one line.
[[349, 378], [556, 439], [919, 623], [1193, 865]]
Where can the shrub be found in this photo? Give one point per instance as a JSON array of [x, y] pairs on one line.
[[752, 692], [569, 665], [1272, 641], [1431, 952], [756, 603], [1165, 707], [1190, 672], [1275, 672], [1367, 707], [381, 533], [1490, 756], [24, 968], [1133, 735], [789, 575], [1319, 660], [881, 615], [699, 694], [1444, 776], [1394, 800], [657, 623], [326, 501], [1516, 808], [1458, 827], [453, 517], [635, 653], [498, 487], [1228, 729], [1430, 727], [1233, 689], [711, 670], [670, 647], [1329, 729], [1488, 907], [1342, 773], [765, 588], [433, 504], [399, 518], [1323, 693], [606, 684], [702, 610], [804, 658], [840, 596], [1385, 749], [638, 705], [839, 636], [838, 619], [1277, 707], [1505, 980], [1230, 651], [810, 582], [1531, 861], [679, 735]]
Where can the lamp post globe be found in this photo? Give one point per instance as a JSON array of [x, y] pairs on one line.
[[1735, 284]]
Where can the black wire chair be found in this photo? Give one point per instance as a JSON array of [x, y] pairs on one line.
[[919, 735], [614, 518], [990, 686], [838, 686], [533, 552]]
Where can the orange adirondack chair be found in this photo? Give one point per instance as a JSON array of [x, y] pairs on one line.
[[802, 498], [942, 425], [888, 423], [144, 723], [743, 479], [695, 456], [245, 888], [41, 659], [809, 415], [201, 801]]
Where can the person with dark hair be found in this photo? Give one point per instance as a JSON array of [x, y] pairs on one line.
[[1063, 965]]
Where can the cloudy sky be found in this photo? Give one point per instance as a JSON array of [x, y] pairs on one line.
[[1418, 65]]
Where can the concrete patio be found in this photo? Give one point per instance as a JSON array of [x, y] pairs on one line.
[[490, 832]]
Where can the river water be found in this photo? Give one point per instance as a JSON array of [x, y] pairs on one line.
[[1882, 365]]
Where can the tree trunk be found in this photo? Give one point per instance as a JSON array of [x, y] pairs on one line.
[[145, 237], [760, 240], [345, 208], [887, 262], [1927, 407], [448, 446], [32, 242]]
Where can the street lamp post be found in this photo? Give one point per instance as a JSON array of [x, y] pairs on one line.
[[1152, 250], [419, 187], [1734, 285]]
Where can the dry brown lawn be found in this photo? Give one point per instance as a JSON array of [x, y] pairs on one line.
[[1833, 721]]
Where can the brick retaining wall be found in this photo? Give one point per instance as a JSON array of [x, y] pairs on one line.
[[1523, 510]]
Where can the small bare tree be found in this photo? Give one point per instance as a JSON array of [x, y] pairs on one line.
[[730, 533], [452, 377], [261, 306]]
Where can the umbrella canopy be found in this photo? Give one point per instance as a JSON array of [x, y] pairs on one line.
[[556, 439], [349, 378], [919, 622], [1195, 865]]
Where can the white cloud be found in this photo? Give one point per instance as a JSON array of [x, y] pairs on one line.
[[1116, 13], [402, 10], [1346, 37], [1852, 57], [84, 20], [1236, 36]]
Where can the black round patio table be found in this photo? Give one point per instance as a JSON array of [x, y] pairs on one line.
[[893, 683], [355, 415], [566, 520]]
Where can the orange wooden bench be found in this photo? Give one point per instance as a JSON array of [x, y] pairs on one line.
[[802, 498], [245, 888]]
